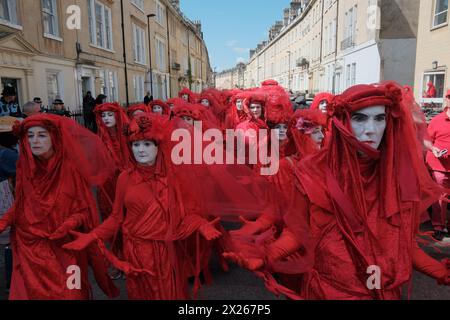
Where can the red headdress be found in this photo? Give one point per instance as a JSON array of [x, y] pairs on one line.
[[138, 107], [192, 98], [278, 110], [187, 109], [301, 126], [162, 104], [114, 138], [319, 98]]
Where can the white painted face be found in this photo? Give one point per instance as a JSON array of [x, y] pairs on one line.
[[136, 113], [256, 110], [185, 97], [205, 102], [109, 119], [40, 142], [281, 131], [157, 109], [369, 125], [317, 135], [188, 120], [171, 106], [323, 106], [239, 104], [145, 152]]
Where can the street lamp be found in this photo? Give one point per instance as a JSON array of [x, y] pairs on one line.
[[289, 79], [150, 51]]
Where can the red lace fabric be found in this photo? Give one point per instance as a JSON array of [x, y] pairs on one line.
[[361, 210], [48, 194]]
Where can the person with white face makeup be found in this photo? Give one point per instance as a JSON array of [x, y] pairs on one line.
[[60, 162], [156, 221], [160, 107], [359, 202], [111, 122]]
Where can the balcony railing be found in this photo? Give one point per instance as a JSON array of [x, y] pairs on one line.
[[347, 43]]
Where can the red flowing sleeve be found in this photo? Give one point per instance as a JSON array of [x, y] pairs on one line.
[[110, 226]]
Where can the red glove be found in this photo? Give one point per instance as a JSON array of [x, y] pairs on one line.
[[250, 228], [82, 241], [283, 247], [431, 267], [69, 225], [209, 232]]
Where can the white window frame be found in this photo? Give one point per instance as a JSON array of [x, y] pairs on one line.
[[12, 13], [139, 88], [54, 20], [433, 25], [59, 84], [437, 100], [161, 55], [140, 55], [138, 4], [106, 32], [160, 14]]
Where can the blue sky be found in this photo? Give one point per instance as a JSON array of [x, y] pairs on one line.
[[232, 27]]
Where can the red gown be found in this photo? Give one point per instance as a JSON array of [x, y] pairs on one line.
[[50, 193], [153, 235]]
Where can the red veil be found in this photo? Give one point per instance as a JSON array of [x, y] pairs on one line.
[[114, 140], [48, 193]]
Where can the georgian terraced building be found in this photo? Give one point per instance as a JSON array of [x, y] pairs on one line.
[[44, 53], [330, 45]]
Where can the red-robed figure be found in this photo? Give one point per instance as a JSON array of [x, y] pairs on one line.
[[59, 164], [154, 216], [359, 201]]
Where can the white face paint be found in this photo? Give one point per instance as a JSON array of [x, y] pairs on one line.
[[145, 152], [205, 102], [317, 136], [188, 119], [369, 124], [171, 106], [185, 97], [109, 119], [281, 131], [40, 142], [157, 109], [256, 110], [323, 106], [239, 104]]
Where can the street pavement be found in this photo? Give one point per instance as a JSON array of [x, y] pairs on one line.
[[239, 284]]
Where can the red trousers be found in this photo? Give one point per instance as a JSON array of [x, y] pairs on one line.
[[440, 217]]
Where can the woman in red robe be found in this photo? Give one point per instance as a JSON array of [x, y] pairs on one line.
[[154, 216], [59, 163], [356, 214], [111, 122]]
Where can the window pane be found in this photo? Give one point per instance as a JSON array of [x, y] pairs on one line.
[[99, 24], [441, 5], [4, 12], [108, 28]]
